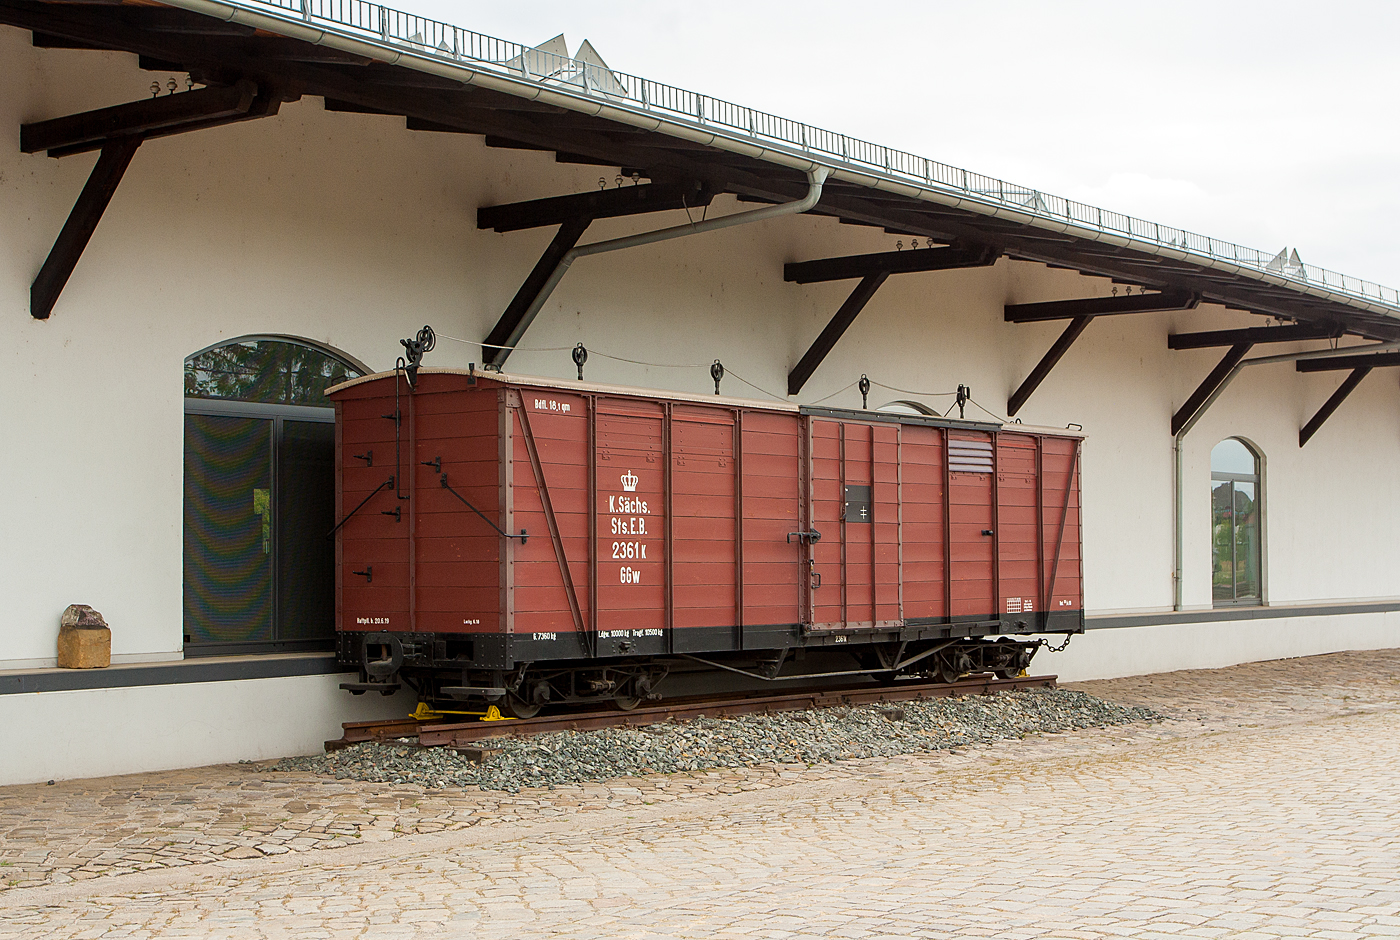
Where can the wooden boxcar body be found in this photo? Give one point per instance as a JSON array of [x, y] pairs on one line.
[[491, 524]]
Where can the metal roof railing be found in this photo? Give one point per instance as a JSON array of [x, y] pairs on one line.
[[423, 36]]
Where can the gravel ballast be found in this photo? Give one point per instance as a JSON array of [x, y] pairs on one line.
[[800, 737]]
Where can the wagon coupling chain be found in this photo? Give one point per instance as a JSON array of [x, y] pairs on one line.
[[1061, 647]]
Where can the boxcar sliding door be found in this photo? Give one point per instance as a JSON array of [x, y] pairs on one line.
[[853, 500], [972, 518]]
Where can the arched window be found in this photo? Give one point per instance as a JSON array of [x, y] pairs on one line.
[[269, 369], [259, 574], [1235, 504]]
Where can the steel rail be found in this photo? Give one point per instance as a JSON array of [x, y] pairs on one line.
[[437, 733]]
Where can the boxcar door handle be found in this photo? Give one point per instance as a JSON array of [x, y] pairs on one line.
[[986, 531]]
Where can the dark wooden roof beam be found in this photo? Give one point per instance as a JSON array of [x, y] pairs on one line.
[[354, 107], [1253, 334], [599, 204], [1102, 306], [41, 40], [150, 63], [496, 141], [90, 129], [294, 50], [583, 159], [1338, 363], [888, 262], [169, 20]]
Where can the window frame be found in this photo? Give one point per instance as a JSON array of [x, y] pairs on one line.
[[1257, 479], [275, 413]]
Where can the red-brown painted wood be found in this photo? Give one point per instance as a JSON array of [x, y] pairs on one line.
[[656, 515]]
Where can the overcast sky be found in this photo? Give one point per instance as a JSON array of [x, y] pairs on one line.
[[1269, 124]]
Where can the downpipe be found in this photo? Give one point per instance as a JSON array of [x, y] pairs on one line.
[[1179, 489]]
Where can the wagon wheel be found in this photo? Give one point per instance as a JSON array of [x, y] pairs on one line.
[[947, 672], [1011, 672], [626, 698], [517, 707]]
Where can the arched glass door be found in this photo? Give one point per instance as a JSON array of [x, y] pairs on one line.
[[259, 574], [1235, 501]]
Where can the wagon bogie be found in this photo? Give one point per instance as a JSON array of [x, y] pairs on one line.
[[537, 542]]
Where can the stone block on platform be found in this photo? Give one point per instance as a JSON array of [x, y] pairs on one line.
[[84, 639]]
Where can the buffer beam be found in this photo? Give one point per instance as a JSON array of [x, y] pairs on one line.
[[872, 269], [1102, 306]]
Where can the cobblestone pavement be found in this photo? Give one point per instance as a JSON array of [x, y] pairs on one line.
[[1268, 806]]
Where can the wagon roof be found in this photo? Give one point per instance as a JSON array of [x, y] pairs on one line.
[[750, 404]]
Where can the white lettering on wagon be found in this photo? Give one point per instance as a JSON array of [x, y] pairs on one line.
[[628, 518], [549, 404], [627, 504]]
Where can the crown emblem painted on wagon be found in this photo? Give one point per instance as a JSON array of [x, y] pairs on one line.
[[629, 481]]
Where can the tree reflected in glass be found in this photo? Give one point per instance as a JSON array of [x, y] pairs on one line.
[[265, 370]]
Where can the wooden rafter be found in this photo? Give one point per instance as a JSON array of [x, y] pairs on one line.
[[872, 269], [1253, 334], [1332, 404]]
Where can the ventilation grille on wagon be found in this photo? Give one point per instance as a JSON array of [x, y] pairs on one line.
[[969, 456]]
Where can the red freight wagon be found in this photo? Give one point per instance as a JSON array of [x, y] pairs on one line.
[[524, 540]]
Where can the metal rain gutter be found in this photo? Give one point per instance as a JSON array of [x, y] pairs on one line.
[[1178, 493], [385, 51]]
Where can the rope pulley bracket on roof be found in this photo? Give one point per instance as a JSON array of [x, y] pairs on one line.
[[414, 349]]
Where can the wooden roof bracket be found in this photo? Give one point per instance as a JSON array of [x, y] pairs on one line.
[[1332, 404], [873, 270], [117, 132], [550, 269], [1080, 314], [573, 214], [1215, 380]]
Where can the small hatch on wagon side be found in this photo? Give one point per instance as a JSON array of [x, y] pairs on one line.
[[857, 504]]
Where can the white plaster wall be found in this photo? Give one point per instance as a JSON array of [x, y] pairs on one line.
[[350, 230], [1135, 651], [101, 732]]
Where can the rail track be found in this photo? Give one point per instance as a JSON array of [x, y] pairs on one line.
[[437, 732]]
